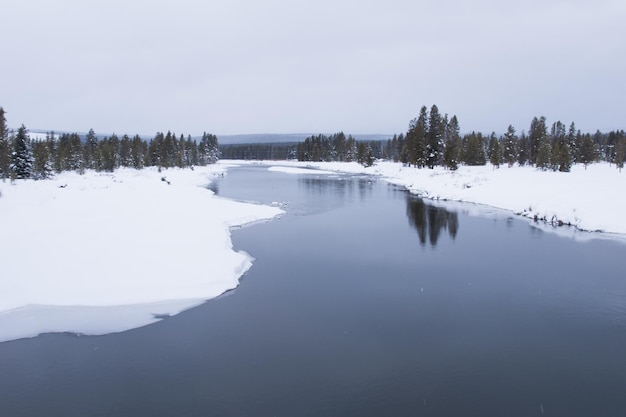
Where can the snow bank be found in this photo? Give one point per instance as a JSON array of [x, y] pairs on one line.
[[74, 249], [591, 199]]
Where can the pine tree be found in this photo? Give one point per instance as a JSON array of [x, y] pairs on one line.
[[5, 147], [474, 149], [536, 135], [544, 154], [564, 159], [523, 150], [125, 152], [138, 152], [415, 142], [451, 154], [365, 155], [494, 151], [42, 164], [22, 157], [434, 142], [509, 148], [587, 151], [91, 144], [620, 152], [572, 141]]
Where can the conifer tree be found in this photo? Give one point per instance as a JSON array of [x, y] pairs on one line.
[[620, 152], [5, 147], [494, 151], [509, 148], [434, 143], [125, 155], [451, 154], [209, 153], [564, 159], [138, 152], [22, 157], [544, 155], [573, 142], [537, 133], [474, 149], [415, 142], [42, 164], [523, 150], [91, 144], [587, 152]]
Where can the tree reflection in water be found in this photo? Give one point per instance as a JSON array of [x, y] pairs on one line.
[[429, 220]]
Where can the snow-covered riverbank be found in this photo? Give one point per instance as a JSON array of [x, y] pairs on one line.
[[98, 253], [592, 199]]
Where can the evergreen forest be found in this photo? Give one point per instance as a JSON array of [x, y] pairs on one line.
[[432, 139], [21, 157]]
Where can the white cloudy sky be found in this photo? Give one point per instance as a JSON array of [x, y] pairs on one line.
[[313, 66]]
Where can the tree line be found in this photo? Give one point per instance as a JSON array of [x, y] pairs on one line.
[[21, 157], [336, 147], [433, 139], [259, 151]]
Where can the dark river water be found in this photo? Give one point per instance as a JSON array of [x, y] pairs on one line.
[[362, 301]]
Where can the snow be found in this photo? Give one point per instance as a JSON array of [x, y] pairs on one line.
[[591, 199], [98, 253]]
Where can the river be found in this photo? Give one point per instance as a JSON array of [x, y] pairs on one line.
[[363, 301]]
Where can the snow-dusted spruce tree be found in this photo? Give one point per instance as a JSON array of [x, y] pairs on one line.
[[5, 147], [620, 153], [415, 147], [494, 151], [42, 164], [587, 153], [562, 158], [509, 148], [452, 152], [434, 142], [544, 155], [473, 149], [536, 135], [574, 140], [22, 157]]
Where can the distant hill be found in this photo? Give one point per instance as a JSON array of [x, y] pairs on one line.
[[261, 138], [285, 138]]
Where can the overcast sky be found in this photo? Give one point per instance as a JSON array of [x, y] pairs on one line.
[[319, 66]]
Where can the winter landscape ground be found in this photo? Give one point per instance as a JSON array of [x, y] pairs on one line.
[[105, 252]]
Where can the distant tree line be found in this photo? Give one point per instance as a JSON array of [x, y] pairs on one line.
[[337, 148], [21, 157], [259, 151], [433, 139]]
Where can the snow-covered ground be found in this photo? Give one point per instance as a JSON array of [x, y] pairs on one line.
[[100, 253], [592, 199]]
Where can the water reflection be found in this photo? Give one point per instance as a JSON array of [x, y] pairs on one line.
[[336, 191], [430, 220]]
